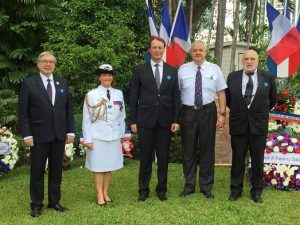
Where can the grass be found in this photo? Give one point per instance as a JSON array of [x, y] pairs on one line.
[[78, 195]]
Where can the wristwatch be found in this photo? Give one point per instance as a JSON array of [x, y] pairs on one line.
[[223, 113]]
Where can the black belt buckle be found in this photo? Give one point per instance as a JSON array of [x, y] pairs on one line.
[[197, 107]]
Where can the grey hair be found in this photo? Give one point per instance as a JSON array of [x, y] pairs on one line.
[[197, 42], [44, 54]]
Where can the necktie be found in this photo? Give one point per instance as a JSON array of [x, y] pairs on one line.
[[108, 94], [157, 76], [249, 89], [49, 90], [198, 88]]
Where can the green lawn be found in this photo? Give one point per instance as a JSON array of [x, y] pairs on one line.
[[78, 195]]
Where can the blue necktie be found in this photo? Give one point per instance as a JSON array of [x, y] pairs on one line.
[[198, 88]]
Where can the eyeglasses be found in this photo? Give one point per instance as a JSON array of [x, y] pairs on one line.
[[44, 61]]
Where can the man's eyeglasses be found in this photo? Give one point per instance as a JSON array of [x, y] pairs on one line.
[[44, 61]]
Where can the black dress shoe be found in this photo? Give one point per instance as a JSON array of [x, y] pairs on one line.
[[110, 201], [57, 207], [142, 197], [234, 197], [162, 197], [35, 212], [208, 195], [186, 193], [257, 198]]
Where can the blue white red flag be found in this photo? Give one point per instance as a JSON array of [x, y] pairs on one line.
[[286, 11], [165, 26], [181, 39], [152, 24], [284, 47]]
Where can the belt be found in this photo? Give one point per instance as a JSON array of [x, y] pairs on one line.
[[197, 107]]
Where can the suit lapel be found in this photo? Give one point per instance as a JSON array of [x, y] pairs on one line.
[[57, 88], [149, 74], [40, 85], [260, 80], [164, 77]]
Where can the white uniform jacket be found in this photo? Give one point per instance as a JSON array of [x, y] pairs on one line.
[[107, 121]]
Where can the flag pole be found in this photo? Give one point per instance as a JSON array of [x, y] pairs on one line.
[[174, 21]]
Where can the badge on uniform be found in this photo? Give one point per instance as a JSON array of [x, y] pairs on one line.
[[109, 106], [266, 84], [119, 103]]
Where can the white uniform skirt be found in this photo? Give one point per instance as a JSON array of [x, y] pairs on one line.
[[106, 156]]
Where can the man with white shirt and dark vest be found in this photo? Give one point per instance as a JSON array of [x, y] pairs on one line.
[[251, 94], [47, 124], [199, 83], [154, 109]]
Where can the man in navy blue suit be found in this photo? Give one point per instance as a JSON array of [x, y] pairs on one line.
[[47, 124], [154, 108]]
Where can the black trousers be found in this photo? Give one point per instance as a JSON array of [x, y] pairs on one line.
[[198, 131], [240, 145], [150, 139], [54, 151]]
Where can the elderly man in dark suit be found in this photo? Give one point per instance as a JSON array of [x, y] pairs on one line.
[[250, 95], [154, 108], [47, 123]]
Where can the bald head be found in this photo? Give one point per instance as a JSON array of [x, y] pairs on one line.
[[250, 60]]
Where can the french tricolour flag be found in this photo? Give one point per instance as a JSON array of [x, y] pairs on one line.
[[182, 42], [152, 24], [284, 47], [165, 26]]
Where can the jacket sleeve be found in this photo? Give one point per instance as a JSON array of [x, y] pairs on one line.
[[273, 91], [86, 123], [69, 112], [24, 101], [134, 96], [122, 117], [176, 99]]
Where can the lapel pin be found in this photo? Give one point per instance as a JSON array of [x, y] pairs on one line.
[[169, 77], [61, 90], [57, 83]]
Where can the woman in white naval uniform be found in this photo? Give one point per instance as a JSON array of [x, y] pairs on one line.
[[103, 129]]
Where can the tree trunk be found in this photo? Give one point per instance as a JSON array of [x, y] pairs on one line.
[[251, 23], [191, 15], [211, 21], [220, 32], [235, 31]]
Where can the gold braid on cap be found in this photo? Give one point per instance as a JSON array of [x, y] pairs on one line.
[[98, 105]]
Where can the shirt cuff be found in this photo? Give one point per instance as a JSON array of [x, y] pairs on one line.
[[71, 134], [25, 138]]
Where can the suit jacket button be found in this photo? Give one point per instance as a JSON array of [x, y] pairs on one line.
[[157, 103], [158, 95]]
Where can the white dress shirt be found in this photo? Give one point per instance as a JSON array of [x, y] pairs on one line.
[[212, 82], [245, 80], [45, 82], [160, 68]]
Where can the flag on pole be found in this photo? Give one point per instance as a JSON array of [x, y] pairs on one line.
[[298, 24], [286, 11], [284, 46], [152, 24], [165, 26], [181, 39]]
